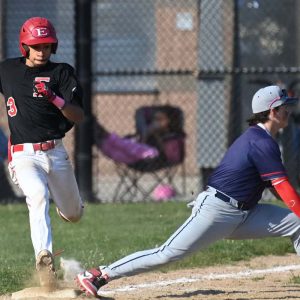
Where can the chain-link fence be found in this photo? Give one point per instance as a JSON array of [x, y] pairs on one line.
[[207, 57], [145, 54]]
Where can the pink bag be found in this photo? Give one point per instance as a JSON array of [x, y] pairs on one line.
[[163, 192]]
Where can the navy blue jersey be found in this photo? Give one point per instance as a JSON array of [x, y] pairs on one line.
[[248, 166], [33, 118]]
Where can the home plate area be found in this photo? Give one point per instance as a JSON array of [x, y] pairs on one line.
[[271, 277]]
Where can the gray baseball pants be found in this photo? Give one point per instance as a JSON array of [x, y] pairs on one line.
[[211, 220]]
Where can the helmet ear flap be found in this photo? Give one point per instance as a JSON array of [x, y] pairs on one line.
[[26, 48]]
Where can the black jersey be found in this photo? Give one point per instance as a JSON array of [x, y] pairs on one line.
[[33, 118]]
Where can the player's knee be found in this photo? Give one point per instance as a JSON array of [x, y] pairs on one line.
[[72, 217], [79, 214], [76, 218]]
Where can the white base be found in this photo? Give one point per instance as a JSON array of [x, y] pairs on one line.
[[40, 293]]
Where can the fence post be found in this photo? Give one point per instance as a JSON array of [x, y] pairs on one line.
[[235, 112], [83, 133]]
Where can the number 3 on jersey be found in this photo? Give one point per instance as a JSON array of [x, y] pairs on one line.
[[12, 107]]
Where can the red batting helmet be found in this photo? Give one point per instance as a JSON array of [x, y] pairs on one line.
[[35, 31]]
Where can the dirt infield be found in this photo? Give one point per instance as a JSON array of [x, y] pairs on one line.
[[270, 277]]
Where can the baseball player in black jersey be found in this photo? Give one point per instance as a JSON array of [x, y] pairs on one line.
[[43, 101]]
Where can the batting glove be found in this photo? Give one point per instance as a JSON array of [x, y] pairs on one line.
[[42, 89]]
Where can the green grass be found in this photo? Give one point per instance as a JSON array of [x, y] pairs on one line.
[[109, 231]]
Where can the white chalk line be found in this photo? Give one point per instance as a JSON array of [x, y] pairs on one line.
[[212, 276]]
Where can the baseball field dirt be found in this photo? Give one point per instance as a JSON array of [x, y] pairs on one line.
[[270, 277]]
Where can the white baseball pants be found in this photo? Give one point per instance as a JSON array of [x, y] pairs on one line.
[[40, 174], [212, 219]]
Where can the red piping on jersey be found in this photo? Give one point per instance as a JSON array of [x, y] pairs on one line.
[[273, 173], [287, 193]]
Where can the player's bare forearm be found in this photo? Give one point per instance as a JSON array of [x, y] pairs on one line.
[[73, 112]]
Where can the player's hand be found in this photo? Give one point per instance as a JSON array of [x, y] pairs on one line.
[[41, 88]]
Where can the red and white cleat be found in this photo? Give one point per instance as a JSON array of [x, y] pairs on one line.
[[91, 281]]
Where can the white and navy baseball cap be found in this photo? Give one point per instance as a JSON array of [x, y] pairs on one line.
[[270, 97]]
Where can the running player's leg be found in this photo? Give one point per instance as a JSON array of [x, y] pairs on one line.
[[63, 186], [267, 220], [32, 180], [211, 220]]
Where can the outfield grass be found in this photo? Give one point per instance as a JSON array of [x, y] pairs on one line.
[[108, 232]]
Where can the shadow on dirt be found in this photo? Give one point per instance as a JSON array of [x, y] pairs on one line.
[[199, 292]]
